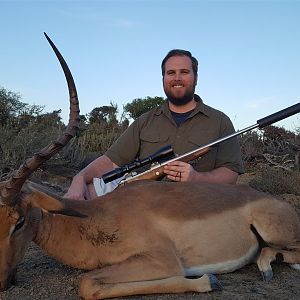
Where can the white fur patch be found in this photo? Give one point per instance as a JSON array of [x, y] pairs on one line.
[[223, 267]]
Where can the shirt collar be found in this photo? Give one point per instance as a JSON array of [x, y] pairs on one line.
[[200, 108]]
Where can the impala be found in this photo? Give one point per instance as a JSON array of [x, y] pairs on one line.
[[147, 236]]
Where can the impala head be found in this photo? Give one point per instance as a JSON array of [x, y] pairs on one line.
[[19, 212]]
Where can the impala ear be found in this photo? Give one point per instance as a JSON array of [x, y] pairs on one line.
[[46, 201]]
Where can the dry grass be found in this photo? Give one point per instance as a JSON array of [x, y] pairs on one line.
[[276, 181]]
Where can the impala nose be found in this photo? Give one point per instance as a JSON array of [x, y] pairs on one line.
[[3, 285], [10, 280]]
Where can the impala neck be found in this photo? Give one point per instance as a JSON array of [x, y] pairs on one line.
[[70, 240]]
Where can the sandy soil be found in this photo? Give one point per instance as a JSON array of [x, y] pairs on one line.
[[42, 277]]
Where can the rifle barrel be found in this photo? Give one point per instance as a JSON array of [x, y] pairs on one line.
[[280, 115]]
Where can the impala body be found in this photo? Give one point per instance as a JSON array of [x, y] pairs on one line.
[[145, 237], [148, 237]]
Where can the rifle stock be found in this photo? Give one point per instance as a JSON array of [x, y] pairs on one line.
[[157, 172]]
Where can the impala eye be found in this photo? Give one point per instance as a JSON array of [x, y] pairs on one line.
[[19, 224]]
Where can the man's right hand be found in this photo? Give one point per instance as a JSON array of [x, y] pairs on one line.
[[82, 187], [78, 189]]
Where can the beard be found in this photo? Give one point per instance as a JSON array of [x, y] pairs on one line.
[[181, 100]]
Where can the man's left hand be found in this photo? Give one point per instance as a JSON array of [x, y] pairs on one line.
[[180, 171]]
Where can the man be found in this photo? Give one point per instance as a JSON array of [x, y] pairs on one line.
[[184, 121]]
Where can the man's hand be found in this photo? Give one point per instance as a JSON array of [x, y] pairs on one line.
[[78, 189], [82, 187], [180, 171]]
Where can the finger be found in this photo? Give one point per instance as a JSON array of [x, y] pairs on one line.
[[176, 163], [73, 196], [175, 177], [173, 173], [174, 168]]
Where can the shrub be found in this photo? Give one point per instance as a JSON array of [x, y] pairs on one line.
[[276, 181]]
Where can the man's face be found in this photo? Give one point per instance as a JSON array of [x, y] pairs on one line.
[[179, 80]]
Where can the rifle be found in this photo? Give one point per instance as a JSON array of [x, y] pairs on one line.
[[158, 159]]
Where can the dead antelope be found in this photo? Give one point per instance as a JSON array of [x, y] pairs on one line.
[[145, 237]]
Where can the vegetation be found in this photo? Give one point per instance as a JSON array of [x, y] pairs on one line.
[[25, 129], [273, 153], [140, 106], [276, 181]]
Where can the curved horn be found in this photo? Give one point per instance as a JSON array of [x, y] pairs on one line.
[[14, 184]]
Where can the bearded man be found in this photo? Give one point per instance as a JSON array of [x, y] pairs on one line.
[[184, 122]]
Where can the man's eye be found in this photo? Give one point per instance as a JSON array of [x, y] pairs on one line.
[[170, 72]]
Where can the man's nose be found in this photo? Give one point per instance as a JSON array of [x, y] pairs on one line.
[[178, 76]]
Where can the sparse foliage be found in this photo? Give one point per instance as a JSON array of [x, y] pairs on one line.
[[274, 146], [276, 181], [106, 115], [14, 112], [25, 130], [140, 106]]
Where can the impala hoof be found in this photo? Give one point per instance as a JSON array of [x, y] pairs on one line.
[[267, 276], [215, 283]]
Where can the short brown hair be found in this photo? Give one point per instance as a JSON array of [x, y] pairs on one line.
[[179, 52]]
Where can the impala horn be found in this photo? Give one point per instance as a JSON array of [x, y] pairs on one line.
[[14, 184]]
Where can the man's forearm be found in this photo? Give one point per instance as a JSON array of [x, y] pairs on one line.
[[96, 168], [219, 175]]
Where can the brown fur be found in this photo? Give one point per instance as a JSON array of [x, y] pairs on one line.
[[150, 235]]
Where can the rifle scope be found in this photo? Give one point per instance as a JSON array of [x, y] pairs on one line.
[[163, 153]]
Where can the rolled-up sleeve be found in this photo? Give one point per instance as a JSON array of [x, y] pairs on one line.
[[126, 148]]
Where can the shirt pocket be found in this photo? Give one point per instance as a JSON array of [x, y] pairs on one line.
[[152, 142], [198, 139]]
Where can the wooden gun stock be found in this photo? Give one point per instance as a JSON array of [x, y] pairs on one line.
[[157, 172]]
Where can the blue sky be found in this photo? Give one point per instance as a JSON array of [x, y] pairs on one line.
[[248, 52]]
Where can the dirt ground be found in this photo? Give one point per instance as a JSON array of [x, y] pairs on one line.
[[42, 277]]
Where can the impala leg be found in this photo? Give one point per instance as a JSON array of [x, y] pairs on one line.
[[278, 227], [268, 255], [142, 275], [96, 289]]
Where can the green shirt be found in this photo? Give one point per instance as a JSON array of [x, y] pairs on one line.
[[156, 129]]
